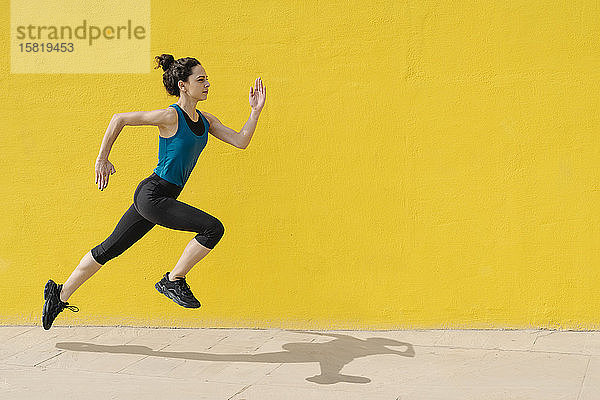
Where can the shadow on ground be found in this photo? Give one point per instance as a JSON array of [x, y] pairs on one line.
[[332, 355]]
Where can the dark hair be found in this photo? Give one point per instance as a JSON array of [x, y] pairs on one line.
[[175, 70]]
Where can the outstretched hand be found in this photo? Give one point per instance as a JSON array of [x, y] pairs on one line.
[[104, 169], [258, 95]]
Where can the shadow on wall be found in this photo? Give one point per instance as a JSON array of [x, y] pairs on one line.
[[332, 355]]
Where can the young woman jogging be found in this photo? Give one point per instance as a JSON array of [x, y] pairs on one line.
[[183, 134]]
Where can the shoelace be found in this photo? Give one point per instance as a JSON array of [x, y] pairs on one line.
[[72, 308], [185, 288]]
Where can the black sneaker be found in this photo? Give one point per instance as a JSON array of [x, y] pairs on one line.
[[53, 304], [178, 291]]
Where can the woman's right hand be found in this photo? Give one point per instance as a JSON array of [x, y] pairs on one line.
[[104, 169]]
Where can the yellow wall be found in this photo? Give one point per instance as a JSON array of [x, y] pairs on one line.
[[418, 164]]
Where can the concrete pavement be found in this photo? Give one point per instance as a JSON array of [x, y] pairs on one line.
[[251, 364]]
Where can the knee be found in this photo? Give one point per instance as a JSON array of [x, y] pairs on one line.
[[218, 230], [212, 234], [98, 255]]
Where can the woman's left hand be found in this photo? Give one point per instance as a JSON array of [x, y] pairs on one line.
[[258, 94]]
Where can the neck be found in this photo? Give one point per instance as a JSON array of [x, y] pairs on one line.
[[188, 105]]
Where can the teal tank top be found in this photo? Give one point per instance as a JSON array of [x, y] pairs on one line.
[[177, 155]]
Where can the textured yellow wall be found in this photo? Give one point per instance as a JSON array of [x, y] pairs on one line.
[[418, 164]]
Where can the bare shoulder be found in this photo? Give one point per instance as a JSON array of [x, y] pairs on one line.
[[211, 118], [170, 116], [170, 122], [162, 116]]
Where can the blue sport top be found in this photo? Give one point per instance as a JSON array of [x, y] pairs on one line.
[[177, 155]]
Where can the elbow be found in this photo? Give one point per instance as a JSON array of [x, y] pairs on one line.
[[241, 144], [118, 119]]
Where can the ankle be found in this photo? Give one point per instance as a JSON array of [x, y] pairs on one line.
[[60, 296], [174, 277]]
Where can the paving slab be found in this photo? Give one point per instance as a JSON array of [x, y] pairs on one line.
[[590, 389], [246, 364]]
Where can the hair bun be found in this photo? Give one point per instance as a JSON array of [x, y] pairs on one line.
[[164, 61]]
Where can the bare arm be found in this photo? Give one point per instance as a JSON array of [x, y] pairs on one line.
[[241, 140], [248, 129], [114, 128], [104, 168], [228, 135], [160, 117]]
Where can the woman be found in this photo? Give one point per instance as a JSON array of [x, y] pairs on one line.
[[183, 136]]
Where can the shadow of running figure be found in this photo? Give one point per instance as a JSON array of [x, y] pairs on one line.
[[332, 355]]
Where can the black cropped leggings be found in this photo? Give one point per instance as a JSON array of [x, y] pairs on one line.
[[154, 202]]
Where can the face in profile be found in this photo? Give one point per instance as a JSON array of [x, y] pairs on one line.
[[197, 83]]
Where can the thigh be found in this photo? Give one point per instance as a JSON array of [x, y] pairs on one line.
[[156, 205], [131, 227], [175, 214]]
